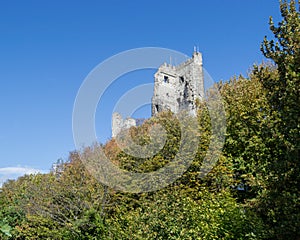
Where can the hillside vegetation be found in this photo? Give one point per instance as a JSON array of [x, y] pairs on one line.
[[252, 192]]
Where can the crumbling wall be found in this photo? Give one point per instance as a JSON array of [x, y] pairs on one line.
[[119, 124], [176, 88]]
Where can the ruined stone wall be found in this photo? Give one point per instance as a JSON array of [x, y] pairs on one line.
[[176, 88], [119, 124]]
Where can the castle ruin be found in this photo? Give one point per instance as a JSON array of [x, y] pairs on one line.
[[118, 123], [176, 88]]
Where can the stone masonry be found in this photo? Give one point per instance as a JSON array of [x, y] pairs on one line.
[[118, 123], [176, 88]]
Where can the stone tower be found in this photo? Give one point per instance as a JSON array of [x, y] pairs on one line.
[[177, 88]]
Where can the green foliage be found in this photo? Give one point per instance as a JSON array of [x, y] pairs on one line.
[[180, 214], [280, 203], [141, 137], [66, 204], [245, 147], [70, 204], [5, 229], [251, 192]]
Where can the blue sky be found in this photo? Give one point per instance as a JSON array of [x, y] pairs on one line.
[[47, 48]]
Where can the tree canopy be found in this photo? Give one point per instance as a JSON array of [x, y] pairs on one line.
[[252, 192]]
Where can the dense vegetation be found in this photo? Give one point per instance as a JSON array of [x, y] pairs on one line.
[[253, 192]]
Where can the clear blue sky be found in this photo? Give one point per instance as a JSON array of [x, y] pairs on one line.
[[47, 48]]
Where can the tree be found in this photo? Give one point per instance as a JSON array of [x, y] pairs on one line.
[[246, 109], [280, 204], [65, 205]]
